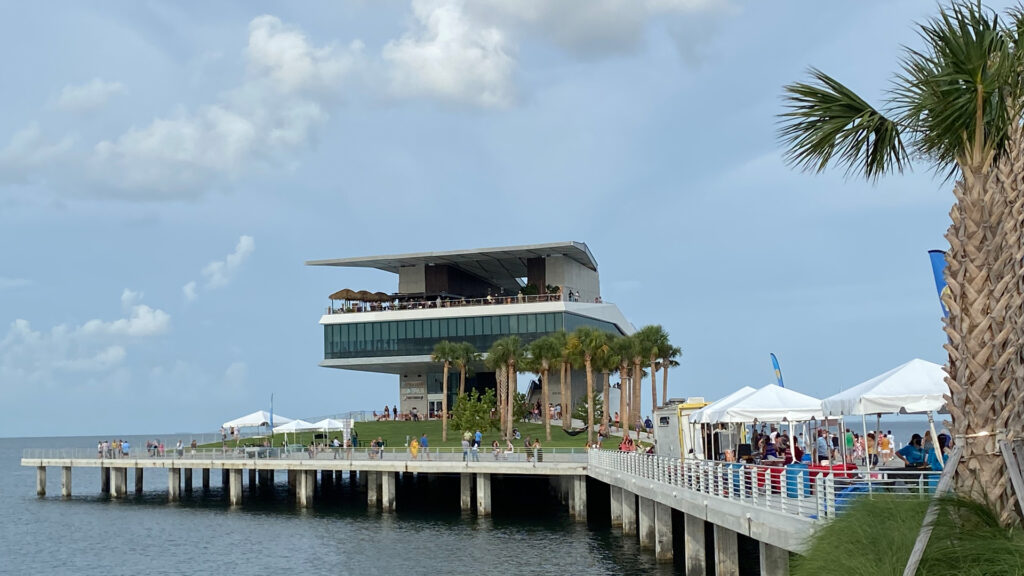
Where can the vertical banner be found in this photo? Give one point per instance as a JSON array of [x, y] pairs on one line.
[[778, 371], [271, 414], [938, 258]]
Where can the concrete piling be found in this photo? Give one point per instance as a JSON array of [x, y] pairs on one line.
[[173, 484], [727, 555], [628, 512], [662, 532], [774, 560], [138, 480], [235, 486], [646, 510], [41, 481], [465, 492], [616, 505], [483, 494], [693, 544], [65, 481]]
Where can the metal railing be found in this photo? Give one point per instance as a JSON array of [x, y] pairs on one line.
[[297, 452], [794, 490], [458, 302]]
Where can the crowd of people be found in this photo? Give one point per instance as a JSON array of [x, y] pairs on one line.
[[154, 448]]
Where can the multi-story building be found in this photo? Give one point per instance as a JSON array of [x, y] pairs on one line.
[[476, 296]]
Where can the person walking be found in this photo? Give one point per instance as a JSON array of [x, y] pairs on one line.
[[425, 445]]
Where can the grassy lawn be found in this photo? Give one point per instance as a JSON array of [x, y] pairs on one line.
[[395, 434]]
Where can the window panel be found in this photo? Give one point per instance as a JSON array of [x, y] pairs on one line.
[[435, 328], [478, 325], [531, 323], [444, 327], [417, 328], [486, 322], [503, 323]]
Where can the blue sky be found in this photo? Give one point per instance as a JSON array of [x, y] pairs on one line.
[[166, 169]]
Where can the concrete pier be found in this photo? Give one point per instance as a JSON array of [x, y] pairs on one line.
[[663, 532], [579, 493], [119, 482], [774, 560], [727, 554], [138, 480], [173, 484], [388, 491], [372, 488], [41, 481], [65, 481], [483, 494], [693, 543], [646, 522], [305, 487], [235, 486], [206, 479], [188, 480], [104, 480], [616, 505], [628, 512], [465, 492]]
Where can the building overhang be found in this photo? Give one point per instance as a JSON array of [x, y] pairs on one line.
[[384, 364]]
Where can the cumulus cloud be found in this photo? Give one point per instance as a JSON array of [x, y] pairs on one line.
[[28, 150], [88, 96], [28, 355], [448, 55], [219, 273]]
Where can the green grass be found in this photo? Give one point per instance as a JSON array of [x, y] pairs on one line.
[[395, 434], [874, 537]]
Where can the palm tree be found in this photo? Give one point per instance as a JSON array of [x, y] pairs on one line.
[[506, 353], [587, 342], [956, 106], [606, 361], [445, 352], [668, 360], [561, 339], [655, 340], [465, 355], [623, 350], [544, 352]]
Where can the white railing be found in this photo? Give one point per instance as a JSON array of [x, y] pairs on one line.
[[794, 490]]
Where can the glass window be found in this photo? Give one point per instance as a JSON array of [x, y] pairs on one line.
[[417, 328], [513, 324], [401, 329], [435, 328], [376, 331], [460, 326], [531, 323], [486, 322], [503, 325], [360, 332], [444, 328], [478, 325]]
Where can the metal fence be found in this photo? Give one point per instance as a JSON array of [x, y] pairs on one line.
[[794, 490]]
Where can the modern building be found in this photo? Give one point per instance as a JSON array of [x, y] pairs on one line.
[[477, 296]]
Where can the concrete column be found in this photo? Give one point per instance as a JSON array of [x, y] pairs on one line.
[[352, 479], [310, 487], [388, 491], [693, 542], [663, 532], [616, 505], [646, 522], [580, 495], [65, 481], [483, 494], [138, 480], [188, 480], [727, 554], [372, 488], [41, 481], [252, 479], [570, 493], [206, 479], [235, 486], [305, 483], [628, 512], [225, 478], [292, 481], [774, 560], [119, 480], [363, 480], [104, 480], [173, 484], [466, 492]]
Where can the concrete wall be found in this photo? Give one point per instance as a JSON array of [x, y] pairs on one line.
[[411, 279], [562, 271], [413, 392]]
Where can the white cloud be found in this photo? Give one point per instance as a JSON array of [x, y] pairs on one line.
[[92, 94], [219, 273], [448, 55], [12, 283], [285, 56], [28, 150]]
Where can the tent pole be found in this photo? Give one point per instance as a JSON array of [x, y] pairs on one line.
[[867, 455], [935, 440]]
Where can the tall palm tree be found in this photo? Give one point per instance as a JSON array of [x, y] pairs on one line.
[[544, 352], [505, 354], [668, 360], [606, 361], [464, 358], [561, 339], [623, 350], [445, 352], [587, 342], [956, 106], [655, 340]]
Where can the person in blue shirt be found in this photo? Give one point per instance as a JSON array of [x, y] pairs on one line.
[[478, 437], [425, 446], [912, 454], [933, 460]]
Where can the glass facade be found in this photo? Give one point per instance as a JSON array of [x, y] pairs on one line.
[[418, 337]]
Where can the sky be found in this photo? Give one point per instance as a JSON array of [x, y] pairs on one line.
[[167, 168]]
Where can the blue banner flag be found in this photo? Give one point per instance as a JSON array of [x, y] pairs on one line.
[[938, 258], [778, 371]]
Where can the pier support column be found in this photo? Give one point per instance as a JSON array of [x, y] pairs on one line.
[[206, 479], [774, 560], [465, 492], [305, 486], [138, 480], [727, 554], [483, 494], [293, 479], [693, 543], [225, 478], [579, 494], [663, 532], [173, 484], [40, 480], [65, 481], [372, 488], [646, 522], [119, 480], [104, 480], [252, 479], [388, 491], [616, 505], [628, 512], [363, 476], [235, 486], [188, 480]]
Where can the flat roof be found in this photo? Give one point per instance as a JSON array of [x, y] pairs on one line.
[[497, 263]]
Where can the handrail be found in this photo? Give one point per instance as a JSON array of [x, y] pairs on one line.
[[296, 452], [457, 302]]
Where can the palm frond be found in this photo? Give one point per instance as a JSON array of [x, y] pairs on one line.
[[826, 122]]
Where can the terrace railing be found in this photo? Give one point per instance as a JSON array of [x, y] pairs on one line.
[[358, 307]]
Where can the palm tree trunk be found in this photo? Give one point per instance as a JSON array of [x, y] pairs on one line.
[[502, 380], [561, 390], [510, 421], [984, 325], [607, 404], [544, 407], [623, 400], [654, 388], [462, 380], [664, 380], [444, 404], [590, 400], [638, 375]]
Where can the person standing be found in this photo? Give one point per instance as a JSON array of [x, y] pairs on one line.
[[465, 449], [99, 449], [425, 445], [414, 448], [821, 447]]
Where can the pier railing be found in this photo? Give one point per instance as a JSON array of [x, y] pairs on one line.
[[363, 453], [795, 491]]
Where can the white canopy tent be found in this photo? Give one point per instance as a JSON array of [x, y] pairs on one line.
[[771, 403], [295, 426], [707, 414], [256, 419]]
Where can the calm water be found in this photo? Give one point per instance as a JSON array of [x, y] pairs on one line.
[[90, 534]]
